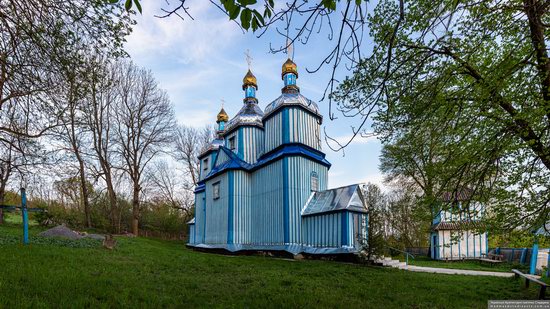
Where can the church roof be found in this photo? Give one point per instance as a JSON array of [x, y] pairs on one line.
[[250, 114], [233, 162], [292, 99], [347, 198], [215, 144], [192, 221]]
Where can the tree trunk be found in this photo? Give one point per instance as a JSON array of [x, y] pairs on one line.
[[2, 193], [115, 222], [84, 191], [135, 211]]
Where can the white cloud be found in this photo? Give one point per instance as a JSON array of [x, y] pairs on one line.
[[344, 139], [186, 41]]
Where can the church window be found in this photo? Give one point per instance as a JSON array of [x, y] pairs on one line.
[[216, 190], [232, 143], [314, 182], [205, 164]]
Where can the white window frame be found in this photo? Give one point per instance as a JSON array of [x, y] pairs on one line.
[[314, 182], [216, 190]]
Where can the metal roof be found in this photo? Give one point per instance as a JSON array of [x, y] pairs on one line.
[[215, 144], [235, 162], [463, 194], [192, 221], [544, 230], [292, 99], [250, 114], [457, 225], [347, 198]]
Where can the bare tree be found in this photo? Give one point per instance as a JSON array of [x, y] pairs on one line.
[[73, 132], [190, 142], [145, 124], [17, 153], [169, 186], [100, 112]]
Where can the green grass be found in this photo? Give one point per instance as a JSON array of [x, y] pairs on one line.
[[465, 264], [16, 218], [154, 273]]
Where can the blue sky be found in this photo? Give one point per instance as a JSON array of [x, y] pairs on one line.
[[200, 62]]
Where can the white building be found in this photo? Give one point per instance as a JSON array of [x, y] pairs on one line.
[[456, 232]]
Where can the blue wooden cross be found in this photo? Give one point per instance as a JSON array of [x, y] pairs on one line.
[[24, 214]]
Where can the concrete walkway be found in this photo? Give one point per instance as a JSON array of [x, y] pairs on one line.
[[451, 271], [389, 262]]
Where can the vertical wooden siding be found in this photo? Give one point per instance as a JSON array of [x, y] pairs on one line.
[[216, 211], [304, 128], [299, 190]]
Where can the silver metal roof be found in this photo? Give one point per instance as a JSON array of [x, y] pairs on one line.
[[344, 198], [250, 114], [215, 144], [192, 221], [292, 99]]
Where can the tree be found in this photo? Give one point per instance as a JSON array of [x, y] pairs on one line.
[[73, 132], [145, 123], [407, 219], [100, 106], [190, 143], [482, 65], [39, 41], [170, 187], [39, 36], [18, 153], [376, 204]]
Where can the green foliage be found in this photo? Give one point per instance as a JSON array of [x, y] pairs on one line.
[[247, 11], [517, 239], [154, 273], [376, 204], [156, 216], [161, 217], [462, 100]]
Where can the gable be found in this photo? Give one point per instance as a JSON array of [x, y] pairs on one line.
[[347, 198]]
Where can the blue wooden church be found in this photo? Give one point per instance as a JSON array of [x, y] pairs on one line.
[[263, 181]]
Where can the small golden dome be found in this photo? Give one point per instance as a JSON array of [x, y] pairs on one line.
[[249, 80], [289, 67], [222, 116]]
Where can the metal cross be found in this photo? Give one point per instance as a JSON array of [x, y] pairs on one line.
[[248, 58], [223, 102], [289, 49]]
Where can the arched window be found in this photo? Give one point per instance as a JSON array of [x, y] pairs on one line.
[[314, 182]]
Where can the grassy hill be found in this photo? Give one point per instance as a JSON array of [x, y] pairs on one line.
[[155, 273]]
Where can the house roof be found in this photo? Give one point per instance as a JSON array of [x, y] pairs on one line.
[[462, 194], [456, 225], [544, 230], [347, 198], [192, 221]]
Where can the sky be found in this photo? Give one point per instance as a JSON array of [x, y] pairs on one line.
[[202, 61]]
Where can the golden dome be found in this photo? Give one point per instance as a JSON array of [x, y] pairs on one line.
[[249, 80], [222, 116], [290, 67]]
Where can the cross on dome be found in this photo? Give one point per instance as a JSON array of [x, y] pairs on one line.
[[248, 58]]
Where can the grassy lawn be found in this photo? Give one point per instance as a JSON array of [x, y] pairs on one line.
[[466, 264], [154, 273]]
